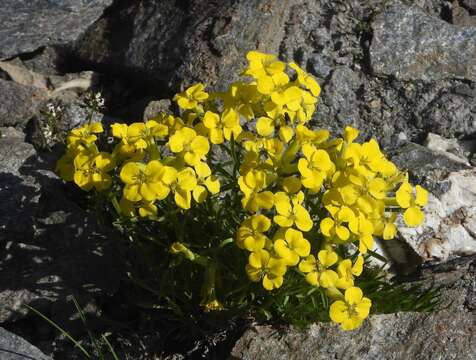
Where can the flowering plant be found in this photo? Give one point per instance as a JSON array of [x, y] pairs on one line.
[[240, 191]]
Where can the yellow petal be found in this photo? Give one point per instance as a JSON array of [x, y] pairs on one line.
[[327, 225], [199, 194], [413, 216], [327, 257], [312, 278], [421, 196], [131, 193], [308, 264], [130, 172], [183, 198], [353, 295], [338, 311], [264, 126], [404, 195]]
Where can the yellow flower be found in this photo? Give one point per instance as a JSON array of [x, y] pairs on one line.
[[148, 182], [305, 135], [413, 215], [365, 231], [265, 126], [191, 146], [184, 184], [288, 101], [385, 226], [65, 165], [345, 215], [314, 167], [191, 98], [242, 97], [292, 247], [369, 159], [206, 182], [221, 128], [144, 207], [90, 170], [262, 266], [306, 80], [139, 135], [252, 186], [317, 270], [292, 214], [268, 72], [250, 235], [85, 134], [348, 271], [351, 312]]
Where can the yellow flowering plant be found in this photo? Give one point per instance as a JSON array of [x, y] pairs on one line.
[[237, 203]]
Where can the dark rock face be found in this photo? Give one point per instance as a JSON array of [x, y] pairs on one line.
[[410, 45], [30, 24], [51, 248], [18, 103], [446, 334], [178, 43], [13, 347]]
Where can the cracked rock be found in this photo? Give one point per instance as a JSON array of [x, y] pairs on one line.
[[30, 24], [409, 44], [450, 215]]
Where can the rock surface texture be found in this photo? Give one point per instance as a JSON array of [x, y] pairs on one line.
[[411, 45], [30, 24], [13, 347], [51, 247], [450, 224], [177, 43], [445, 334]]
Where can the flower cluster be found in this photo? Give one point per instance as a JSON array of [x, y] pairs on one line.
[[308, 202]]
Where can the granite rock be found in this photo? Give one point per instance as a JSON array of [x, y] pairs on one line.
[[19, 103], [13, 347], [172, 44], [410, 45], [30, 24]]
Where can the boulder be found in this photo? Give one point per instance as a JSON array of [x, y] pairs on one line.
[[30, 24], [174, 44], [13, 347], [19, 103], [411, 45]]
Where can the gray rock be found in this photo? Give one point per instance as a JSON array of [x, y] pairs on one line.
[[449, 147], [51, 60], [469, 5], [13, 347], [154, 108], [450, 217], [51, 248], [30, 24], [340, 99], [444, 334], [319, 66], [19, 103], [176, 45], [410, 45]]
